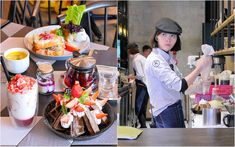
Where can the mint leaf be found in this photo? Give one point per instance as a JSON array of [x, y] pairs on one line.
[[64, 109], [83, 98], [66, 96], [74, 14], [59, 32]]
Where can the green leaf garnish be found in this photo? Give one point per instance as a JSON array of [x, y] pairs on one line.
[[59, 32], [64, 109], [83, 98], [67, 96], [74, 14]]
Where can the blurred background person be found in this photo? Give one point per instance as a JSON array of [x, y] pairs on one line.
[[146, 50], [141, 100]]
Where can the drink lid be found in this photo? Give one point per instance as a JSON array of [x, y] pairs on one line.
[[45, 67], [83, 62]]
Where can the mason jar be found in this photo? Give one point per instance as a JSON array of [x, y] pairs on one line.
[[45, 78]]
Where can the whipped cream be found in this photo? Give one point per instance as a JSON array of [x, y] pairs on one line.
[[94, 112], [66, 120], [80, 114], [80, 36]]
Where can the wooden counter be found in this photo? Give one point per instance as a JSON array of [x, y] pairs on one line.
[[183, 137]]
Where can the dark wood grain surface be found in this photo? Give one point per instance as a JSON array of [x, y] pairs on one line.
[[3, 36], [183, 137]]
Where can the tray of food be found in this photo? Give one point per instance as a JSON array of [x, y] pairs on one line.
[[77, 114]]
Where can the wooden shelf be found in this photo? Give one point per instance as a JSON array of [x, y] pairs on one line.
[[224, 24], [227, 51]]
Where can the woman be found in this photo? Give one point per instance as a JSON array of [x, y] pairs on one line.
[[141, 100], [164, 81]]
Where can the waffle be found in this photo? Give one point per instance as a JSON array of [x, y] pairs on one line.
[[90, 123], [77, 127]]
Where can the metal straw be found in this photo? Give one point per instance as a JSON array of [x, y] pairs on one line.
[[5, 70]]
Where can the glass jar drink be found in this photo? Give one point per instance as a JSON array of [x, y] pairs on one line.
[[82, 69], [45, 78], [22, 100]]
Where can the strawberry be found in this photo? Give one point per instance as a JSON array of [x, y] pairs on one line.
[[57, 99], [100, 115], [89, 103], [78, 108], [77, 90], [95, 95], [70, 47]]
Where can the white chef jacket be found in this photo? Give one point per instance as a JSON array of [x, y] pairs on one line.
[[162, 82], [138, 63]]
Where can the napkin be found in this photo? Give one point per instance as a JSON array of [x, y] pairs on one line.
[[125, 132], [205, 73], [12, 135], [13, 42], [207, 49]]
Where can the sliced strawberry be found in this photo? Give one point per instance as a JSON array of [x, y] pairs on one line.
[[101, 115], [88, 90], [89, 103], [77, 90], [72, 103], [95, 95], [57, 98], [70, 47], [78, 108]]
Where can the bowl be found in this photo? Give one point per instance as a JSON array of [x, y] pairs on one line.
[[16, 60], [48, 120]]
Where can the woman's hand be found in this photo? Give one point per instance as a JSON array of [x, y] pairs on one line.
[[203, 62]]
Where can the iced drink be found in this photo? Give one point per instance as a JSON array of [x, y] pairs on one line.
[[22, 99]]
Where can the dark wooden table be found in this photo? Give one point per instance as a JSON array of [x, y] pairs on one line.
[[183, 137]]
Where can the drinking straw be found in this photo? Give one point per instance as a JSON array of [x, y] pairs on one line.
[[5, 70]]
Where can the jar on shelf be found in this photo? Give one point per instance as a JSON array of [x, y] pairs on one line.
[[45, 78]]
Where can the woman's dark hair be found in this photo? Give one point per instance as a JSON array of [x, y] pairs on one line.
[[146, 47], [176, 47], [132, 48]]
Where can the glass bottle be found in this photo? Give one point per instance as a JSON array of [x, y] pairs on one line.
[[45, 78]]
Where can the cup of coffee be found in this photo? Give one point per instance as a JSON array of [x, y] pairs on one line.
[[229, 120], [16, 60]]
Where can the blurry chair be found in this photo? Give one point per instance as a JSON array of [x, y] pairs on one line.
[[87, 18], [21, 13]]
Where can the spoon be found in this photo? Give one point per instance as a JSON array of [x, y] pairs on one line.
[[5, 70]]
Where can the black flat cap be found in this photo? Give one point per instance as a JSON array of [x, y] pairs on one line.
[[169, 26]]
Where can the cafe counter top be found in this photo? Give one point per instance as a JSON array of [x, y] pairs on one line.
[[183, 137]]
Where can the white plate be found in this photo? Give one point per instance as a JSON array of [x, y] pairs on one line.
[[66, 55]]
